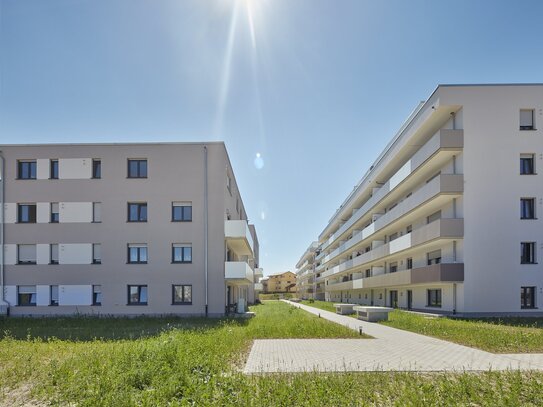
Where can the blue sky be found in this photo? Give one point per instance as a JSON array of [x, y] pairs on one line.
[[316, 87]]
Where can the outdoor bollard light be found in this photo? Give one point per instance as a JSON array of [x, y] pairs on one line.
[[360, 330]]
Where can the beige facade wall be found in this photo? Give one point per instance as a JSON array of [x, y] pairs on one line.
[[176, 173]]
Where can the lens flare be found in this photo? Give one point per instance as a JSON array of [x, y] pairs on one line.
[[259, 161]]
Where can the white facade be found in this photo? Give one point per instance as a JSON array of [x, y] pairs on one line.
[[435, 223]]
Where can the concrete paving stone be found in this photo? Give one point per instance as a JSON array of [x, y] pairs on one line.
[[391, 350]]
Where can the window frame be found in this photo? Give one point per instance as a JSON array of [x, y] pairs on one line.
[[52, 217], [33, 219], [528, 290], [51, 261], [530, 127], [94, 259], [51, 302], [532, 207], [183, 249], [24, 263], [96, 167], [530, 249], [139, 162], [139, 287], [34, 294], [434, 301], [183, 210], [137, 246], [184, 286], [33, 169], [530, 158], [139, 206], [53, 168], [95, 301]]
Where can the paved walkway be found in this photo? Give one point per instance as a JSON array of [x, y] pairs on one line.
[[391, 350]]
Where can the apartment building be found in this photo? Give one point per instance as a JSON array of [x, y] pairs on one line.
[[446, 219], [124, 229], [306, 284], [280, 283]]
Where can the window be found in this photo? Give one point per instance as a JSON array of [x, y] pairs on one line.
[[26, 254], [434, 216], [54, 253], [393, 236], [527, 297], [368, 273], [97, 212], [409, 262], [527, 208], [434, 257], [394, 267], [137, 212], [137, 253], [527, 119], [26, 169], [96, 295], [137, 168], [55, 217], [53, 169], [26, 295], [96, 253], [96, 169], [137, 295], [53, 299], [409, 229], [26, 213], [182, 294], [527, 164], [434, 298], [229, 184], [181, 253], [181, 212]]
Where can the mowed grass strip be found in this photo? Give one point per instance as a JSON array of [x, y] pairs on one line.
[[145, 361], [498, 335]]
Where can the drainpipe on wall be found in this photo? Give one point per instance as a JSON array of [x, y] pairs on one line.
[[4, 306], [205, 229]]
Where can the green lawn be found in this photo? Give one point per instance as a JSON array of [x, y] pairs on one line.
[[506, 335], [172, 361]]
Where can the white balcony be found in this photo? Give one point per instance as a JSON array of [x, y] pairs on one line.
[[434, 153], [259, 287], [238, 236], [238, 272]]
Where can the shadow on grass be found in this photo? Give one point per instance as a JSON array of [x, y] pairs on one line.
[[85, 328]]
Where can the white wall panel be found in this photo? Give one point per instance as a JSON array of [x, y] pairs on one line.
[[43, 254], [75, 295], [75, 168], [75, 212], [401, 243], [43, 170], [75, 253], [42, 295], [10, 254], [10, 212], [10, 294], [43, 212]]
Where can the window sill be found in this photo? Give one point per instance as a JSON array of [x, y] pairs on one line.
[[133, 221], [181, 262], [528, 263], [26, 305], [433, 306], [529, 308], [53, 263], [532, 129], [136, 303], [137, 177], [181, 303], [528, 173], [528, 218], [27, 264], [136, 262], [181, 220]]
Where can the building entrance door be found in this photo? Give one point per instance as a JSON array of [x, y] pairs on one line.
[[409, 299]]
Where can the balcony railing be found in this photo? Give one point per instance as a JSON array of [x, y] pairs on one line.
[[238, 272], [441, 228], [442, 184], [444, 140], [239, 237]]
